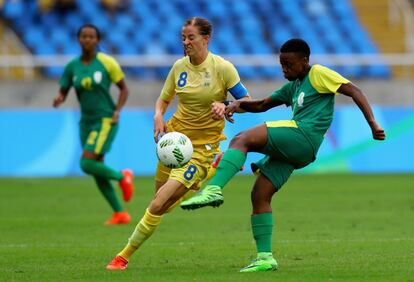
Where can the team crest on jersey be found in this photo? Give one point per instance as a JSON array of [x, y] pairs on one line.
[[301, 99], [97, 76]]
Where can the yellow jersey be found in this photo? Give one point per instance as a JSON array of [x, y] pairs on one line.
[[197, 87]]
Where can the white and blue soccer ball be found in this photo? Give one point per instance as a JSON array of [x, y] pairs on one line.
[[174, 150]]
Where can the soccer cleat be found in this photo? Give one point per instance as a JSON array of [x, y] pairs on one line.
[[119, 218], [118, 263], [127, 184], [210, 196], [261, 263], [218, 159]]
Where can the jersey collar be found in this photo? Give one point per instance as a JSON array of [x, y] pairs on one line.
[[200, 66]]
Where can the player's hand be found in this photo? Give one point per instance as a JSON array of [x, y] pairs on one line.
[[378, 132], [58, 100], [217, 110], [230, 109], [115, 117], [160, 128]]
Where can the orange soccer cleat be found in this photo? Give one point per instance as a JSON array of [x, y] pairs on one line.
[[127, 184], [118, 263], [119, 218], [217, 161]]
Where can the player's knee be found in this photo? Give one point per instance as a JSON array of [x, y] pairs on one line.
[[157, 207], [238, 140], [85, 165]]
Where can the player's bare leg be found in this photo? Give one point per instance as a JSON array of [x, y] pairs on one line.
[[165, 197]]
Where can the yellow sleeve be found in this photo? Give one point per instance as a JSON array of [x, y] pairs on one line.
[[168, 90], [230, 75], [112, 66], [325, 80]]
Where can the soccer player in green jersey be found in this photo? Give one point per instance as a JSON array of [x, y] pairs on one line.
[[91, 75], [286, 144], [200, 81]]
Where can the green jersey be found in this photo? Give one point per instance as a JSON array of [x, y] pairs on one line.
[[92, 83], [312, 100]]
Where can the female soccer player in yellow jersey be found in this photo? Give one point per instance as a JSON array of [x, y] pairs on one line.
[[201, 81], [91, 74]]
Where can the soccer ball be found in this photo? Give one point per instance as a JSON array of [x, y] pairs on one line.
[[174, 150]]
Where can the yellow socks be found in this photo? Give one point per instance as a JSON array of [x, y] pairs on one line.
[[142, 232]]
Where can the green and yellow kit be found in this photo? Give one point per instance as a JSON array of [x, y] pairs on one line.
[[92, 84], [294, 143]]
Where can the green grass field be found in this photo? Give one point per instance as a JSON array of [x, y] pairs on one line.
[[328, 228]]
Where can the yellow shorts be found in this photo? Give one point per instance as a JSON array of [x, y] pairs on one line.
[[195, 171]]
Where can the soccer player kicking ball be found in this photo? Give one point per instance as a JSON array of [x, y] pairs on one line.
[[286, 144]]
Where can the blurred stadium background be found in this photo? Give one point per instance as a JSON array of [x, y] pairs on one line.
[[369, 41]]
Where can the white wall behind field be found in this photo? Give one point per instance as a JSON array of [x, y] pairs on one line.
[[143, 94]]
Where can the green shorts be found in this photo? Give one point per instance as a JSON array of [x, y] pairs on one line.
[[97, 137], [287, 149]]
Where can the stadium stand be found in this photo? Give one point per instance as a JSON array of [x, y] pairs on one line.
[[152, 27]]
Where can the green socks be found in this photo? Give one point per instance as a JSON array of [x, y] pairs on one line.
[[108, 192], [262, 225], [103, 175], [230, 164], [97, 168]]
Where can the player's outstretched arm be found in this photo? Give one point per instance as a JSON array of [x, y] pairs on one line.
[[359, 98], [218, 109], [252, 106]]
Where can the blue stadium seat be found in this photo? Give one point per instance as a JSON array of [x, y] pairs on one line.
[[71, 49], [44, 48], [246, 72], [125, 23], [103, 23], [279, 36], [60, 37], [34, 35], [127, 49], [116, 38], [379, 71], [54, 72], [72, 21], [13, 10], [153, 27], [50, 19], [216, 8], [270, 72]]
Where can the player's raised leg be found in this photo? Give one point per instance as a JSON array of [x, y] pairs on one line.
[[252, 140]]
